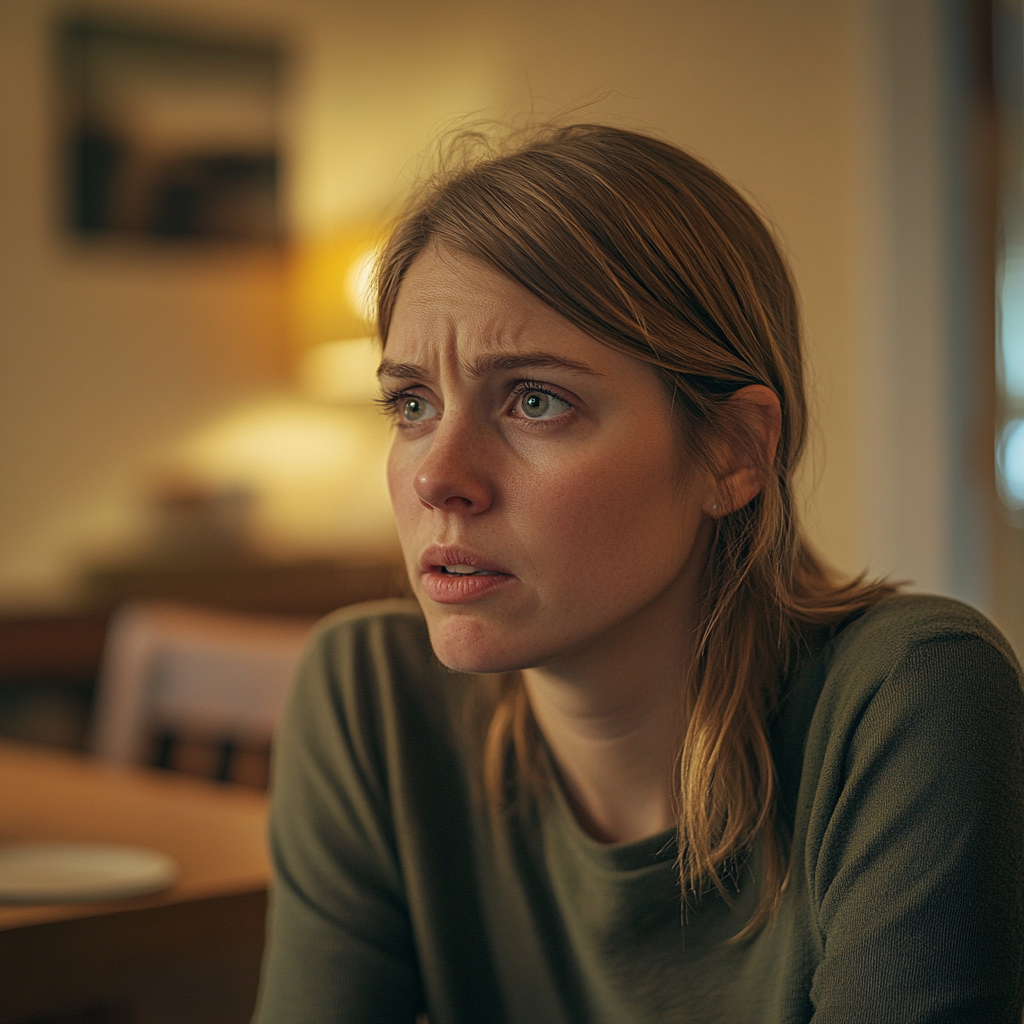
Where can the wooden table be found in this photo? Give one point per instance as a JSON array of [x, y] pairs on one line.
[[189, 955]]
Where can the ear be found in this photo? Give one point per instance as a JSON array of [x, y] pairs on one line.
[[757, 414]]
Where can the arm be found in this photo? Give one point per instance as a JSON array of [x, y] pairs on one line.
[[340, 946], [918, 872]]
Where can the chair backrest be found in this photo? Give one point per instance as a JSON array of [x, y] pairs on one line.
[[194, 689]]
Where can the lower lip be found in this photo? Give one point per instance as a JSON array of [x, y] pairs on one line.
[[445, 589]]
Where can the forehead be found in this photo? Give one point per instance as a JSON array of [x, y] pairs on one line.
[[448, 302]]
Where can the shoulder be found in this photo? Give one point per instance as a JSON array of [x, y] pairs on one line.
[[370, 675], [920, 644], [377, 642], [884, 647], [910, 805], [903, 664], [362, 649], [362, 623], [901, 624], [371, 646], [914, 667], [925, 675]]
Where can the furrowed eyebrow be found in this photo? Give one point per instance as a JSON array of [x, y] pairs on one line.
[[543, 360], [400, 371], [490, 364]]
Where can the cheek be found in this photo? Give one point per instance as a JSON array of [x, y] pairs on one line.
[[621, 507]]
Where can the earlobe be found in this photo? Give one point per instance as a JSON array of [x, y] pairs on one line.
[[757, 416]]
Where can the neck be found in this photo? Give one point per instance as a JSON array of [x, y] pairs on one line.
[[612, 718]]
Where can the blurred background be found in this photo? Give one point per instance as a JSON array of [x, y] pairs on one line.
[[191, 468], [190, 189]]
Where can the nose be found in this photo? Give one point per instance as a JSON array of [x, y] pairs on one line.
[[454, 475]]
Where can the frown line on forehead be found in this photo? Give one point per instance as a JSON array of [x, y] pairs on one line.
[[494, 363]]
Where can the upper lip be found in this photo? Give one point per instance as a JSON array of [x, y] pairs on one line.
[[448, 554]]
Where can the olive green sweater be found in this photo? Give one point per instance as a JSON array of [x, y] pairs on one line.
[[899, 753]]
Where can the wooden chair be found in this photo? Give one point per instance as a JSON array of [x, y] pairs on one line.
[[195, 690]]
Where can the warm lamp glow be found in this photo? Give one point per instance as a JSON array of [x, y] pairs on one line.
[[332, 287], [341, 371], [317, 473], [359, 285]]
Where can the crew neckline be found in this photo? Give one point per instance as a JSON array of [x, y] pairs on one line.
[[631, 855]]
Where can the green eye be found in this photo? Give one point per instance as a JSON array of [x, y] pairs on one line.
[[410, 409], [536, 404]]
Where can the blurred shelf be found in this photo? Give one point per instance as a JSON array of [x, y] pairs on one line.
[[313, 587], [51, 648], [48, 669]]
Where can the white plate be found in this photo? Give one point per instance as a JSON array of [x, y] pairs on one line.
[[80, 872]]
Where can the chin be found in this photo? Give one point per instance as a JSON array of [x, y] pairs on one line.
[[463, 644]]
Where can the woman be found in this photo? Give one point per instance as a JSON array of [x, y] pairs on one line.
[[635, 754]]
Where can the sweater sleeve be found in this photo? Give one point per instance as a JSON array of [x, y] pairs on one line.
[[340, 946], [916, 861]]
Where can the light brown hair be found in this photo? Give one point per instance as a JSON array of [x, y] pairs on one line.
[[648, 250]]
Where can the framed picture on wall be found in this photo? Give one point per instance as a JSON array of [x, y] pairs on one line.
[[168, 134]]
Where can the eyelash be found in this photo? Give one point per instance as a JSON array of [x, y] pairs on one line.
[[390, 402], [390, 398], [524, 387]]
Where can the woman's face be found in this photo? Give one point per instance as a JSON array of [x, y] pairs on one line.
[[543, 501]]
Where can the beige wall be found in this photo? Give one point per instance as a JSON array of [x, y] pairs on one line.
[[106, 352], [106, 355]]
